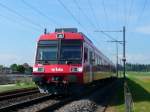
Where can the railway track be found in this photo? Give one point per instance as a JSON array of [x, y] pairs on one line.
[[80, 103], [39, 104], [51, 103], [22, 104], [16, 94], [52, 108], [27, 98], [17, 91]]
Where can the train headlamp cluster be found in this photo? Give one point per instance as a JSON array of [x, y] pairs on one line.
[[38, 69], [60, 35], [76, 69]]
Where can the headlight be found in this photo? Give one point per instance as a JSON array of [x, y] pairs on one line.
[[76, 69], [38, 69]]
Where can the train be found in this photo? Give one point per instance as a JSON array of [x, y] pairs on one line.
[[67, 60]]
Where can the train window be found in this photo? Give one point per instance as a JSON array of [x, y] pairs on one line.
[[47, 42], [96, 59], [100, 61], [47, 53], [85, 54], [91, 57], [71, 53]]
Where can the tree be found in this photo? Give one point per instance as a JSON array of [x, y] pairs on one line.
[[28, 70], [138, 67], [20, 69], [14, 68], [26, 65], [1, 66]]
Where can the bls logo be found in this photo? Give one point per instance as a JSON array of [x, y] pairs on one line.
[[57, 69]]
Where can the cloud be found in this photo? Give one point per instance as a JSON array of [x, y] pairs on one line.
[[143, 29]]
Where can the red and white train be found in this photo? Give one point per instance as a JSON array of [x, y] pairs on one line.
[[66, 61]]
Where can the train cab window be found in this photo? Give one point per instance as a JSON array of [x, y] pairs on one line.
[[85, 54]]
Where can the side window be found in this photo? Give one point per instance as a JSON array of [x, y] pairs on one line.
[[85, 54], [91, 57], [96, 59], [100, 61]]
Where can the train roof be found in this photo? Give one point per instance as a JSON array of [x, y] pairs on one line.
[[68, 33]]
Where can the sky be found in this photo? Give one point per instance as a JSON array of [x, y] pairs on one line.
[[23, 21]]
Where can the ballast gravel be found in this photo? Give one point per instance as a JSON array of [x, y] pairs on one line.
[[79, 106], [39, 106]]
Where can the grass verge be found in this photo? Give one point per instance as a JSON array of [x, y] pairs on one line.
[[17, 85], [139, 84]]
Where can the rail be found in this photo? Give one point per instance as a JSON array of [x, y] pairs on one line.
[[24, 103], [18, 94]]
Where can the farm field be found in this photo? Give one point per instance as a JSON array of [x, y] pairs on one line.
[[139, 85]]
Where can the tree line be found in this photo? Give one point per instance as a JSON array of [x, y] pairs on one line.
[[138, 67], [17, 68]]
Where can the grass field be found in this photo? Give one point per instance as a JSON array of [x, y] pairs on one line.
[[18, 85], [139, 84]]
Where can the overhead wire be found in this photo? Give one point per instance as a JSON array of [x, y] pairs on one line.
[[86, 17], [22, 16], [16, 21], [63, 5], [125, 12], [93, 12], [75, 19], [130, 11], [79, 23], [84, 14], [89, 20], [98, 25], [40, 12], [105, 12], [141, 13]]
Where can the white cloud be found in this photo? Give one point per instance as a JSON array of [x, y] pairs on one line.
[[143, 29]]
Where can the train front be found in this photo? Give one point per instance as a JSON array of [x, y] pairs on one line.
[[58, 64]]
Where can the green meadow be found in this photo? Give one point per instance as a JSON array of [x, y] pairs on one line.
[[139, 85]]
